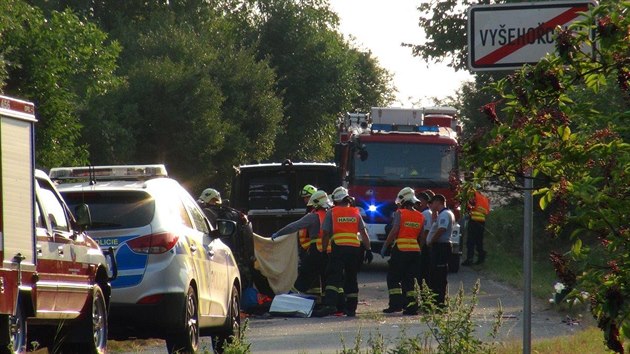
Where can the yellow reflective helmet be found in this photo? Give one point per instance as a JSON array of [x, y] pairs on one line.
[[308, 190]]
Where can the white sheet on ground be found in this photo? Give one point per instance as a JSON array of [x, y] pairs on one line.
[[291, 305]]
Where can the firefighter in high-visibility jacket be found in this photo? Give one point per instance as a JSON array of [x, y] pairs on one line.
[[310, 268], [342, 226], [478, 208], [405, 262], [303, 238]]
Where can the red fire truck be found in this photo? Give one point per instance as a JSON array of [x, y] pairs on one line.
[[390, 148], [53, 277]]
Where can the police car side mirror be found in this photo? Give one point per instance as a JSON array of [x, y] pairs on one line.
[[83, 216], [226, 227]]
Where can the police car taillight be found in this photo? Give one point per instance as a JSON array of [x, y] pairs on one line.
[[154, 243], [109, 172]]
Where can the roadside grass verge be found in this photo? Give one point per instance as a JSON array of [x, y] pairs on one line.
[[503, 240], [132, 345], [589, 340]]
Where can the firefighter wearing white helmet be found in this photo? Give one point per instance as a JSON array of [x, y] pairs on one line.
[[341, 227], [210, 196], [405, 261], [339, 194], [309, 271], [209, 200]]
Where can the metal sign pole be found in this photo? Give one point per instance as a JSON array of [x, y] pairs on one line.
[[527, 262]]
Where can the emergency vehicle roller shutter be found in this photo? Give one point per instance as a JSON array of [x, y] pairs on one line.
[[17, 189]]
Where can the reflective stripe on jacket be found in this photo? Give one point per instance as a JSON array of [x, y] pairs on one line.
[[411, 224], [481, 208], [305, 241], [321, 213], [345, 226]]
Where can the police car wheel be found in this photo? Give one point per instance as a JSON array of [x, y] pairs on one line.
[[187, 340], [232, 327]]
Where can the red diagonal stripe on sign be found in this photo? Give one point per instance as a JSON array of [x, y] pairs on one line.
[[520, 42]]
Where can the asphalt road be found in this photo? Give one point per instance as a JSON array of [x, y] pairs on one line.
[[324, 335]]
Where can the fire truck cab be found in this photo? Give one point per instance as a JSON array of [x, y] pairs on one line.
[[390, 148], [53, 278]]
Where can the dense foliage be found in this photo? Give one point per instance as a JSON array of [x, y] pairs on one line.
[[565, 120], [60, 63], [198, 85]]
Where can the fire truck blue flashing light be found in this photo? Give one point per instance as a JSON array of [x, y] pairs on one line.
[[405, 128], [372, 208]]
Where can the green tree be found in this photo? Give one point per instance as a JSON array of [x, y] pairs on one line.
[[319, 74], [195, 100], [60, 62], [373, 82], [445, 24], [566, 121]]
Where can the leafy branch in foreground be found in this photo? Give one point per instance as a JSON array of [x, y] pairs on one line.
[[565, 121]]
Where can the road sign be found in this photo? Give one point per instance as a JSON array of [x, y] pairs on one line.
[[507, 36]]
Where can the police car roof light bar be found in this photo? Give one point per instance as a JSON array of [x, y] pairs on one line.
[[114, 172]]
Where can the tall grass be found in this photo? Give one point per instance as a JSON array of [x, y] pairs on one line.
[[503, 240]]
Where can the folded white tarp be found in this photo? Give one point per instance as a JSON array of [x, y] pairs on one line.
[[277, 260], [291, 305]]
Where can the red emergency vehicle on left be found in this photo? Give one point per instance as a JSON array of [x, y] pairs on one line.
[[54, 279]]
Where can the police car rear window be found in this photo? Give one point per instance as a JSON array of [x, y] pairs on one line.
[[114, 209]]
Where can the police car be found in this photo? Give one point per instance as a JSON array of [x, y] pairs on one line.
[[176, 279]]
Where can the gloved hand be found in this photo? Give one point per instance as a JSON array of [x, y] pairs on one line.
[[383, 250], [368, 257], [274, 236]]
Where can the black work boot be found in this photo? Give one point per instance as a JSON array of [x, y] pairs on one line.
[[467, 263], [324, 311], [395, 303], [351, 306]]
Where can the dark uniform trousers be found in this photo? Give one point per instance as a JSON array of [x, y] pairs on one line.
[[403, 273], [475, 240], [341, 278], [439, 271], [425, 266], [309, 272]]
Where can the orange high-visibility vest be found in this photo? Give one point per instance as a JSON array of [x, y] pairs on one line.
[[411, 223], [304, 239], [345, 226], [481, 208], [321, 213]]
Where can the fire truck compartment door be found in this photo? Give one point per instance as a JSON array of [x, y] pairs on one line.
[[17, 179]]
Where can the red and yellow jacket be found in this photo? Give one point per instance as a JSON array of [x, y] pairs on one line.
[[345, 226], [480, 208], [411, 224]]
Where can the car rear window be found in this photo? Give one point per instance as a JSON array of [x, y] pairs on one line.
[[114, 209], [268, 192], [279, 188]]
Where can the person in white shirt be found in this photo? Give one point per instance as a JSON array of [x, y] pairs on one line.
[[438, 242]]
